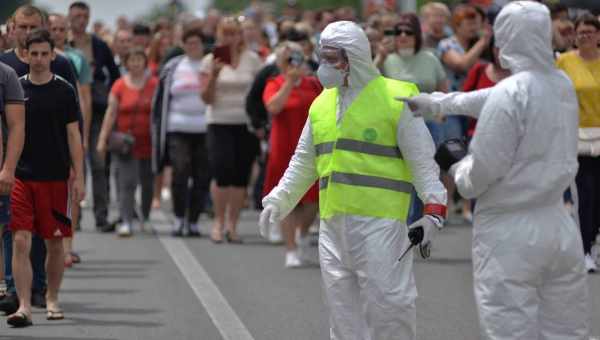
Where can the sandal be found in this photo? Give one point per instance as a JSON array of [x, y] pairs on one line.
[[216, 236], [55, 315], [69, 261], [230, 239], [19, 320], [75, 257]]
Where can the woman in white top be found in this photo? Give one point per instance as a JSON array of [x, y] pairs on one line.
[[179, 127], [231, 147]]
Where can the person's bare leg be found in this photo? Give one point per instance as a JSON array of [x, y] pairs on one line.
[[236, 200], [288, 229], [307, 215], [68, 241], [22, 272], [158, 185], [219, 197], [54, 269]]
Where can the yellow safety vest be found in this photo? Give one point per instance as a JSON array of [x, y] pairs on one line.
[[360, 167]]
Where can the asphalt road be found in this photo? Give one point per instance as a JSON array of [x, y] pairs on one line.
[[153, 286]]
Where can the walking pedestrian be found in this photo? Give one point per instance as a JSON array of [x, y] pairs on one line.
[[40, 198]]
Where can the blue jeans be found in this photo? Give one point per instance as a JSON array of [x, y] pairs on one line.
[[437, 132], [454, 127], [38, 260]]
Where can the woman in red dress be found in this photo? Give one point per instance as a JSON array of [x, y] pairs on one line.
[[287, 98]]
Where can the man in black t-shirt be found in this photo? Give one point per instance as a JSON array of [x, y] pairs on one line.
[[25, 19], [40, 197]]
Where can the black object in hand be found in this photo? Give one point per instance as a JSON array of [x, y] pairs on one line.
[[450, 152], [415, 235]]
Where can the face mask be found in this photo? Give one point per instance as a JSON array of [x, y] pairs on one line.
[[330, 77], [406, 52]]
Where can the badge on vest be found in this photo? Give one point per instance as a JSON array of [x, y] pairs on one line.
[[370, 134]]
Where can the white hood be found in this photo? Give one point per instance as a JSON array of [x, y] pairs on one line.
[[523, 33], [350, 37]]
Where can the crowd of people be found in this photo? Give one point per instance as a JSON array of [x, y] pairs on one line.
[[208, 112]]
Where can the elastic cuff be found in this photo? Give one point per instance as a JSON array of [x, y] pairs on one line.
[[435, 209]]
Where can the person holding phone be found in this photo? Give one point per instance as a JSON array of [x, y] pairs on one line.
[[226, 76], [287, 98]]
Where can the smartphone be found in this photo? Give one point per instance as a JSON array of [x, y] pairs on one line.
[[296, 58], [223, 53]]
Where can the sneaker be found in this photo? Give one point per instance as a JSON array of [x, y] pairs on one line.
[[165, 194], [124, 230], [590, 264], [275, 236], [177, 228], [292, 260], [305, 252], [9, 304], [193, 230]]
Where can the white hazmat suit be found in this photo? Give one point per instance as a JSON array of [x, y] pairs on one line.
[[370, 294], [528, 263]]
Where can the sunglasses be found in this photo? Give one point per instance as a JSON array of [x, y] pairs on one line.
[[398, 32]]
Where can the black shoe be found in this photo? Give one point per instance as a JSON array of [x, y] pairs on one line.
[[38, 299], [10, 304], [108, 228], [194, 233]]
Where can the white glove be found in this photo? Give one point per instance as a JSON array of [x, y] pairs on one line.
[[268, 217], [423, 105], [429, 224]]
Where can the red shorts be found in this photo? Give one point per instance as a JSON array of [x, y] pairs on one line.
[[41, 207]]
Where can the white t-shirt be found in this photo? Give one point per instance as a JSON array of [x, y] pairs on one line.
[[232, 87], [186, 108]]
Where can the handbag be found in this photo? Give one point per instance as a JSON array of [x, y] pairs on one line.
[[122, 143], [589, 142]]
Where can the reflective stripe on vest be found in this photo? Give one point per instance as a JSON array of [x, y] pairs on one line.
[[358, 146], [366, 181], [361, 169]]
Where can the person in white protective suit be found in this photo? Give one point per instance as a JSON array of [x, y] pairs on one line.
[[528, 263], [363, 203]]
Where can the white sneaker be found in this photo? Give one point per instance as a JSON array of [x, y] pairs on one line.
[[292, 260], [165, 194], [275, 236], [590, 264], [305, 252], [124, 230]]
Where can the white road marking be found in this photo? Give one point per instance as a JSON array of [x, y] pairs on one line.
[[223, 316]]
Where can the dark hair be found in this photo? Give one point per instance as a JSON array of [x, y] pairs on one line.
[[587, 19], [80, 5], [141, 29], [38, 36], [296, 35], [555, 9], [193, 31], [135, 51], [411, 20]]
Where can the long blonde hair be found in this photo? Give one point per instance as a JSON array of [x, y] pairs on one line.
[[232, 24]]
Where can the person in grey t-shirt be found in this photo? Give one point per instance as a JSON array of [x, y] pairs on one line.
[[13, 109]]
